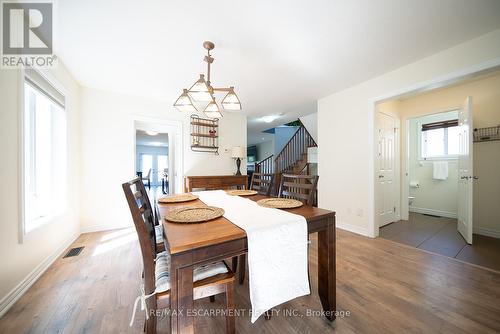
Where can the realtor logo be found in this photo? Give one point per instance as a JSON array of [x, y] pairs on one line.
[[27, 31]]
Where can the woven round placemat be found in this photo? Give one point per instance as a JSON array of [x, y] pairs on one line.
[[194, 214], [241, 192], [177, 198], [280, 203]]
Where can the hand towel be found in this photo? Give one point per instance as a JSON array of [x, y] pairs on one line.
[[440, 170]]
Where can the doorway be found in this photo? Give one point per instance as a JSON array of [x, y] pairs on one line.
[[152, 158], [450, 149], [158, 154]]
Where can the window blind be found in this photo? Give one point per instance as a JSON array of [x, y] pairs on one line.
[[440, 125], [43, 86]]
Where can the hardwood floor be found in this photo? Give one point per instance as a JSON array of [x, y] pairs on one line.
[[386, 287], [439, 235]]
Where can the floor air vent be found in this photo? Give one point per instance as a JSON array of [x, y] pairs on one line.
[[429, 215], [73, 252]]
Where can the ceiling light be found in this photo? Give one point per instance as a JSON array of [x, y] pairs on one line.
[[202, 91], [212, 110], [151, 133], [199, 91], [269, 119], [231, 101], [184, 102]]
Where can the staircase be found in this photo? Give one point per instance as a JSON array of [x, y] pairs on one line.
[[292, 159]]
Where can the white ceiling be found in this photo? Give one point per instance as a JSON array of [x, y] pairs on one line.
[[280, 55], [142, 138]]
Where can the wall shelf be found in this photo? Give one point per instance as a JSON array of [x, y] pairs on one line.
[[487, 134], [204, 136]]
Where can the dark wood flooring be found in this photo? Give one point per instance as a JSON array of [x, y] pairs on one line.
[[385, 286], [440, 235]]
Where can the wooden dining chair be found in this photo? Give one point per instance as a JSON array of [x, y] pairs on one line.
[[299, 187], [262, 183], [209, 280], [147, 178]]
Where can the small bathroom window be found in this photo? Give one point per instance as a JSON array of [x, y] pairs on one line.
[[439, 140]]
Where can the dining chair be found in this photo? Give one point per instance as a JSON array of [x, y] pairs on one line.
[[147, 178], [209, 280], [262, 183], [299, 187]]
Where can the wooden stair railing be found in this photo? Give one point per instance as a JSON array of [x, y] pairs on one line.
[[293, 157], [294, 151], [265, 166]]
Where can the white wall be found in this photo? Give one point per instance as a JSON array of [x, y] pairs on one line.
[[437, 197], [108, 151], [346, 129], [311, 123], [265, 149], [21, 262]]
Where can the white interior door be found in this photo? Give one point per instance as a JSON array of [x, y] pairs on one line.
[[465, 172], [386, 194]]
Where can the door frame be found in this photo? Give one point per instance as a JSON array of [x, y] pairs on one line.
[[175, 145], [421, 87], [405, 179]]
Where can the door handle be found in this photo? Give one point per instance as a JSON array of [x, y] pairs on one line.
[[380, 176], [464, 177], [475, 178]]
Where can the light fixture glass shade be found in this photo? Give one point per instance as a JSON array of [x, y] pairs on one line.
[[184, 102], [231, 101], [212, 110], [199, 91]]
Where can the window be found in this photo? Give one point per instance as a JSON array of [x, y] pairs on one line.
[[44, 128], [439, 140]]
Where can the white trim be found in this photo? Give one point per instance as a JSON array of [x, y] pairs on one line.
[[487, 232], [19, 290], [437, 82], [100, 228], [353, 228], [176, 146], [440, 213], [442, 81], [21, 152], [23, 233]]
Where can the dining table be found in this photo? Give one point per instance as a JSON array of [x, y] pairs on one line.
[[201, 243]]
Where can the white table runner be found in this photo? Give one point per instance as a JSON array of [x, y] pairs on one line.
[[277, 249]]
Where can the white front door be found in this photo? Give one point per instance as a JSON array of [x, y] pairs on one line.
[[386, 199], [465, 173]]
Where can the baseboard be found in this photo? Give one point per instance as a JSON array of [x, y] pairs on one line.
[[16, 293], [353, 228], [440, 213], [487, 232], [101, 228]]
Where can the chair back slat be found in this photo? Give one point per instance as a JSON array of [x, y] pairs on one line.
[[262, 183], [142, 215], [299, 187]]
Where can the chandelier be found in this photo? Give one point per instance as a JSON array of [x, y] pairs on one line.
[[202, 92]]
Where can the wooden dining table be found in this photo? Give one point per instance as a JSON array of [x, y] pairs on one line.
[[196, 244]]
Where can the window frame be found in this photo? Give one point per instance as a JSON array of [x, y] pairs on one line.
[[23, 232], [446, 156]]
